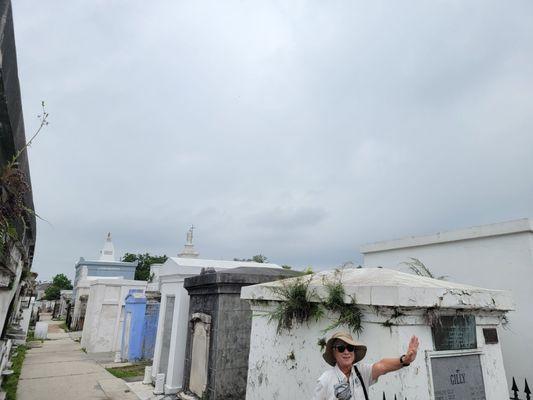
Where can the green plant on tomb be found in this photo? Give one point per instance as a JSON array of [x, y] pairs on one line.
[[347, 313], [321, 343], [295, 304], [335, 293]]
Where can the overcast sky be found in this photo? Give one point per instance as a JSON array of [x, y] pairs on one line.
[[295, 129]]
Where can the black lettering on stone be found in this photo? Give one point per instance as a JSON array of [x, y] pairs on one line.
[[458, 378]]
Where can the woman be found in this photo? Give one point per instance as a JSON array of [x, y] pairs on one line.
[[349, 379]]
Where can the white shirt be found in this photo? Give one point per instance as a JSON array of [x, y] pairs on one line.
[[325, 386]]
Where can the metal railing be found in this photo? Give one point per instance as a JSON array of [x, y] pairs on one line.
[[516, 391], [525, 394]]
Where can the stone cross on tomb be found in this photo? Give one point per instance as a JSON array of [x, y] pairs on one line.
[[189, 234]]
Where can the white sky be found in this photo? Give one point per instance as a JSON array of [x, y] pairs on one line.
[[299, 130]]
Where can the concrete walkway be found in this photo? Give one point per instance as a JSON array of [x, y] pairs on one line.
[[59, 369]]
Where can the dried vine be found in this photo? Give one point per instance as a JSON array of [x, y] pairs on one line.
[[13, 188]]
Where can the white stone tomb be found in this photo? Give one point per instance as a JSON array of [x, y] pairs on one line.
[[394, 306], [496, 255], [104, 317]]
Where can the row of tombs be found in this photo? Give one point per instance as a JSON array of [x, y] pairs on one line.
[[211, 329]]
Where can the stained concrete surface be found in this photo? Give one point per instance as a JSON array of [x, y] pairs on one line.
[[145, 392], [59, 369]]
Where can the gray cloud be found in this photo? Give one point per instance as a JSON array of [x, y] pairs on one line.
[[296, 129]]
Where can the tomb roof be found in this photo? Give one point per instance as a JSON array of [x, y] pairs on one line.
[[114, 281], [179, 265], [240, 275], [82, 261], [475, 232], [387, 287]]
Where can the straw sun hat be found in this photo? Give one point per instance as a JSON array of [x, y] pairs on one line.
[[360, 349]]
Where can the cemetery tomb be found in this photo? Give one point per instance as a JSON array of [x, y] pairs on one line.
[[104, 318], [88, 270], [132, 331], [454, 359], [64, 300], [167, 332], [216, 363], [493, 255], [153, 300], [173, 321], [80, 306]]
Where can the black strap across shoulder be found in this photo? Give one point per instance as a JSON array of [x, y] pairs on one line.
[[361, 380]]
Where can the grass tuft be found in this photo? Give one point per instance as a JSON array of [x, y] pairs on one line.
[[10, 382], [129, 371]]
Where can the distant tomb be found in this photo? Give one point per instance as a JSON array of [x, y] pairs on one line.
[[88, 270], [132, 330], [105, 316], [173, 322], [140, 326], [151, 315]]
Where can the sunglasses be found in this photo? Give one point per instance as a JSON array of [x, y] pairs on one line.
[[341, 347]]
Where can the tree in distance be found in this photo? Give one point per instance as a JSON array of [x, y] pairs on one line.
[[258, 258], [59, 282], [142, 272]]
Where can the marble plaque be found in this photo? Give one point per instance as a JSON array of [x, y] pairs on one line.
[[455, 333], [458, 378], [200, 355]]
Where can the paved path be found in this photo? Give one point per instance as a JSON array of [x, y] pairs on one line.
[[59, 369]]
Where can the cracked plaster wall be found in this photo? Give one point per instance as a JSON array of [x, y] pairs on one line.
[[286, 366]]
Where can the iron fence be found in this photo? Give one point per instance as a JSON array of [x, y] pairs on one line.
[[516, 391], [525, 394]]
